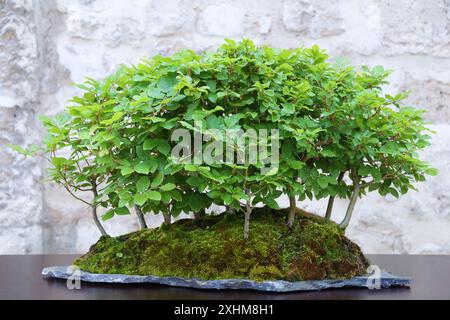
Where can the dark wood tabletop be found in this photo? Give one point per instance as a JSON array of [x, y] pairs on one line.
[[20, 278]]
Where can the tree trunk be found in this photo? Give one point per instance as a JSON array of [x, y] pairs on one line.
[[140, 216], [167, 218], [247, 222], [292, 211], [247, 212], [331, 199], [351, 205], [97, 222], [94, 210], [329, 208]]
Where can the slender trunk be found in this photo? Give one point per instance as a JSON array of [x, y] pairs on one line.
[[292, 211], [248, 210], [97, 222], [247, 222], [329, 208], [94, 211], [140, 216], [351, 205], [331, 199], [167, 218]]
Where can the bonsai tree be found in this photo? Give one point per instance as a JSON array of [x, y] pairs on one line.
[[133, 148], [368, 137], [338, 134], [248, 95], [70, 154]]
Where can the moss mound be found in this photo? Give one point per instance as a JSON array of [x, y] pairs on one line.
[[214, 248]]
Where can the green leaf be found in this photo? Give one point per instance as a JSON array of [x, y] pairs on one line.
[[176, 194], [125, 201], [328, 153], [272, 171], [155, 93], [390, 148], [322, 181], [221, 94], [167, 187], [84, 134], [140, 199], [178, 97], [376, 174], [295, 164], [126, 171], [191, 167], [108, 215], [212, 84], [122, 211], [196, 202], [165, 197], [432, 171], [157, 180], [59, 161], [163, 147], [143, 184], [364, 171], [116, 117], [212, 97], [150, 144], [170, 124], [394, 192], [227, 199], [195, 181], [147, 166], [142, 168], [176, 212], [288, 108], [271, 203], [153, 195]]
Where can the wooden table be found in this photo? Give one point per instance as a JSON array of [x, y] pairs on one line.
[[20, 278]]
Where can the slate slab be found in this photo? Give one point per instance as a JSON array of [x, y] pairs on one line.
[[386, 280]]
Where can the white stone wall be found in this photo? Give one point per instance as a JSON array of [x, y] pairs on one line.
[[46, 45]]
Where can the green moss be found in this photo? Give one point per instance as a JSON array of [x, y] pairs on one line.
[[214, 248]]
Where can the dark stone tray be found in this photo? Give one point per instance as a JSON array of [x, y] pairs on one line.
[[386, 280]]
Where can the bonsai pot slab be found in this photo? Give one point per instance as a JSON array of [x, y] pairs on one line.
[[386, 280]]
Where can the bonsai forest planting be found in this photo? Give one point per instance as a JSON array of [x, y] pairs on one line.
[[221, 136]]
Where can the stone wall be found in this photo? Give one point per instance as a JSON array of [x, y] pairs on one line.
[[46, 45]]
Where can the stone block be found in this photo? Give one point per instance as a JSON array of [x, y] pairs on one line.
[[416, 27], [313, 18], [222, 20]]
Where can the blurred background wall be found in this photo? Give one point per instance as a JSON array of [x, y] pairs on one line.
[[46, 45]]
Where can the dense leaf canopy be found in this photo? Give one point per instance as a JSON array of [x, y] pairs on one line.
[[337, 131]]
